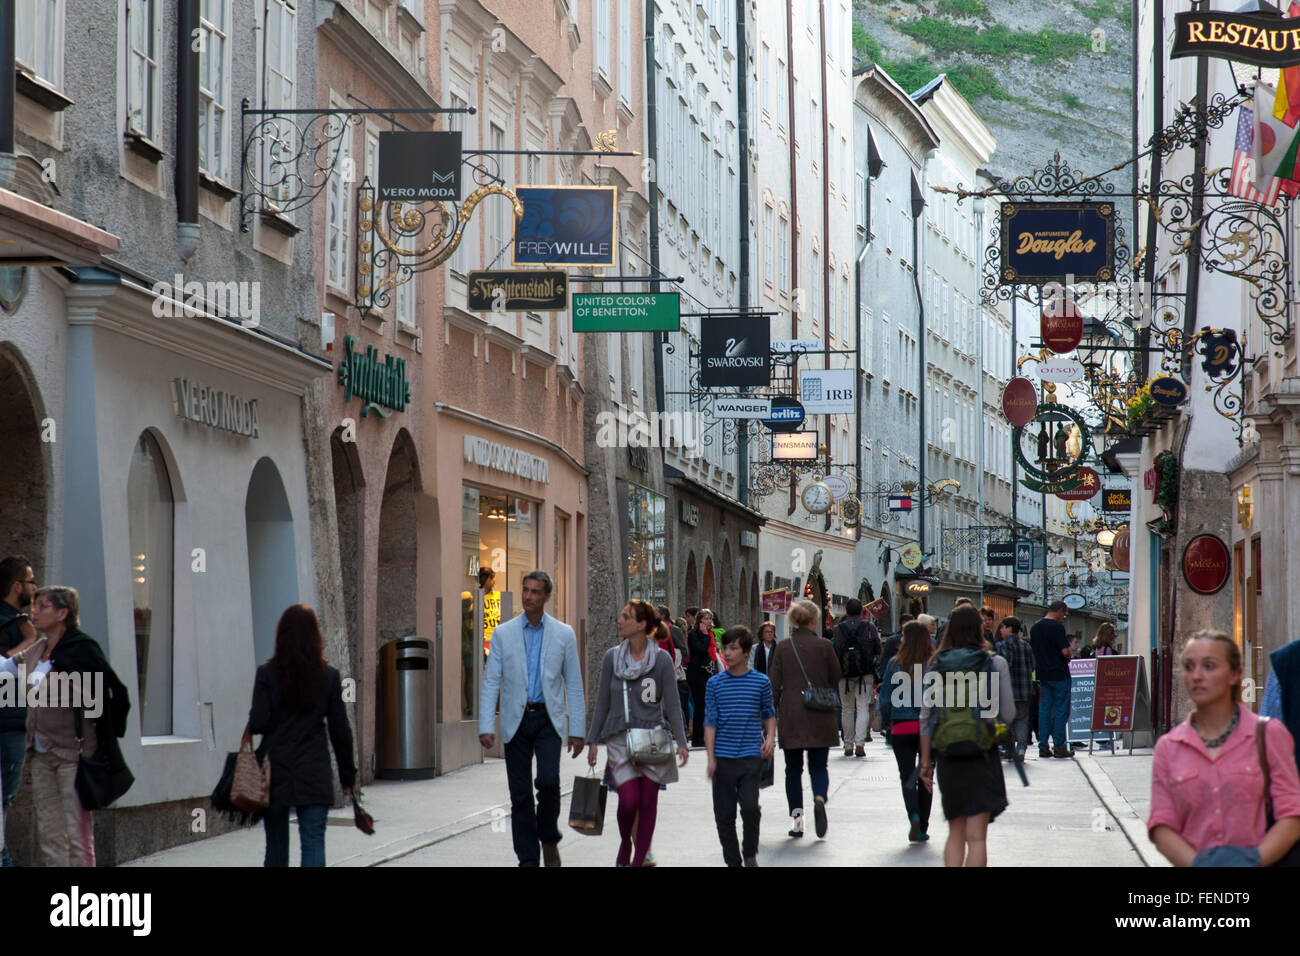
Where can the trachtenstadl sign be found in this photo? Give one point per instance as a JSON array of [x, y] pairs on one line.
[[503, 458], [207, 406]]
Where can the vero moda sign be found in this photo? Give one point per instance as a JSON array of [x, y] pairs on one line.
[[735, 351]]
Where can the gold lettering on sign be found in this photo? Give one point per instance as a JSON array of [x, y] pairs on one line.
[[1216, 32], [1074, 244], [1195, 32]]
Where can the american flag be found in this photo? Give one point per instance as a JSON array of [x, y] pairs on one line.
[[1243, 167]]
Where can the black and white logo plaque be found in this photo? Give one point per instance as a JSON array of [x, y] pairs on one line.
[[734, 351], [419, 166]]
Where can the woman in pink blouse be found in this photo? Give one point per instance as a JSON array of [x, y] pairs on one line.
[[1207, 786]]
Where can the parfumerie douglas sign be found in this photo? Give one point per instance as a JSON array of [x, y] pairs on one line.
[[216, 409], [627, 312], [1261, 39], [419, 166], [1057, 242]]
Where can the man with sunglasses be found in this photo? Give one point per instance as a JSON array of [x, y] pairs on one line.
[[17, 586]]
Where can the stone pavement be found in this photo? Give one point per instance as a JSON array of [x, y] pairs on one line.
[[1085, 812]]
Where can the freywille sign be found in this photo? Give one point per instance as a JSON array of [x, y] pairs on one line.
[[1206, 563], [523, 290], [374, 383], [207, 406], [734, 352], [567, 226], [1057, 242], [1261, 39], [419, 166]]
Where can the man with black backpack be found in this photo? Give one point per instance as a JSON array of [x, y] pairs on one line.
[[857, 645]]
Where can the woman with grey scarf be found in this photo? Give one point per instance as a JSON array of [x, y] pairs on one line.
[[637, 689]]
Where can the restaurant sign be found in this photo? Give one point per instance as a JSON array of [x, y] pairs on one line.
[[1206, 564], [1057, 242], [1261, 39], [376, 384]]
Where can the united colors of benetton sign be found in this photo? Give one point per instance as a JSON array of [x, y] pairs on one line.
[[1258, 38]]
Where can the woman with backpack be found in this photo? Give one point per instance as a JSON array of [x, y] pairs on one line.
[[961, 736], [857, 645], [1104, 643], [904, 723]]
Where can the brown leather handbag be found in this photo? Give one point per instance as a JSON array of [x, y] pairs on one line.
[[251, 788]]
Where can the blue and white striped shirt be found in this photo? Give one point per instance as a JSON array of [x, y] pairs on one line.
[[736, 708]]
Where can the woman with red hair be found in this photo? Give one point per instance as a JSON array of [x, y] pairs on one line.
[[295, 698]]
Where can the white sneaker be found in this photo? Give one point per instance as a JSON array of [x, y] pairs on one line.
[[796, 823]]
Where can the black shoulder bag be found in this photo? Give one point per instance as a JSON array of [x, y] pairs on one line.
[[102, 777], [815, 698]]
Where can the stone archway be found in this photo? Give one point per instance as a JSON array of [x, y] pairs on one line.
[[755, 599], [692, 588], [349, 505], [24, 481], [272, 555], [395, 586], [707, 594], [729, 610], [742, 609]]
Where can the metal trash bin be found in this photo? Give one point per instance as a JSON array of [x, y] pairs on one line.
[[405, 750]]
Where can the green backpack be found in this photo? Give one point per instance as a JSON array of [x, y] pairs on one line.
[[961, 731]]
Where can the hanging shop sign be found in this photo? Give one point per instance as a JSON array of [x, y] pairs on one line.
[[1074, 601], [567, 226], [794, 446], [760, 408], [787, 414], [1206, 563], [877, 607], [838, 484], [1024, 557], [827, 391], [900, 503], [1261, 39], [374, 383], [1119, 551], [782, 346], [1117, 500], [1061, 327], [1020, 401], [748, 539], [917, 588], [1060, 370], [417, 166], [1167, 390], [221, 410], [1089, 484], [910, 555], [1057, 242], [507, 460], [1220, 350], [776, 601], [688, 513], [1065, 477], [520, 290], [734, 351], [627, 312], [1000, 554]]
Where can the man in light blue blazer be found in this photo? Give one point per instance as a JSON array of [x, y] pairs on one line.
[[533, 665]]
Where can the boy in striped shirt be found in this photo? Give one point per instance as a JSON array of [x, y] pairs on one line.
[[739, 732]]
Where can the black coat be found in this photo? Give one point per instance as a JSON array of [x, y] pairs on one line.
[[760, 657], [295, 742], [698, 643]]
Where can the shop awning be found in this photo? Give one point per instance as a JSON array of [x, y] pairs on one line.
[[35, 235]]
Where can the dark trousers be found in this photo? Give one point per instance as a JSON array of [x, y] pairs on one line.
[[698, 681], [529, 825], [817, 775], [311, 832], [13, 751], [735, 779], [917, 799]]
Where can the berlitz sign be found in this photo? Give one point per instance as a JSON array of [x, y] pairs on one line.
[[1261, 39], [222, 410], [1206, 564]]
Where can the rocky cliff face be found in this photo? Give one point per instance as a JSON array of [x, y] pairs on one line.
[[1043, 74]]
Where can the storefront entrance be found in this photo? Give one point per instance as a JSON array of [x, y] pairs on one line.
[[24, 481]]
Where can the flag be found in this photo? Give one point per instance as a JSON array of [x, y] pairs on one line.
[[1273, 147], [900, 502], [1242, 183], [1286, 104]]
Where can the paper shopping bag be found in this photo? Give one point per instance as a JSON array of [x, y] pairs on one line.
[[587, 805]]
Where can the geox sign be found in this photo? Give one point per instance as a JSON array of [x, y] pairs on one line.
[[1261, 39], [735, 352]]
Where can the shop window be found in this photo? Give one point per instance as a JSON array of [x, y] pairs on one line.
[[647, 577], [498, 533], [151, 515]]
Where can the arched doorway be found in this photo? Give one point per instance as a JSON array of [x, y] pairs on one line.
[[395, 587], [24, 480], [730, 610], [692, 589], [755, 599], [272, 555], [706, 587], [742, 608], [349, 497]]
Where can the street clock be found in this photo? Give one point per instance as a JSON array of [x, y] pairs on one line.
[[817, 497]]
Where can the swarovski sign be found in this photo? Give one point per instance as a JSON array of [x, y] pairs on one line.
[[735, 351]]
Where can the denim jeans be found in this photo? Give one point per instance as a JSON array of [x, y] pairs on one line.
[[1052, 713], [817, 774], [13, 752], [311, 832], [531, 825]]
